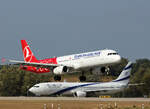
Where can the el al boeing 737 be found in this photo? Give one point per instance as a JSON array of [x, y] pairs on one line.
[[83, 89], [82, 62]]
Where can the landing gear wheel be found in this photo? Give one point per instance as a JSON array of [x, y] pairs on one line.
[[57, 77], [82, 78], [108, 70], [105, 70]]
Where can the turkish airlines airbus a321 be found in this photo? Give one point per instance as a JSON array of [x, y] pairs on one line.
[[83, 62]]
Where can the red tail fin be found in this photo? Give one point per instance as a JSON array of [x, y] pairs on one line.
[[28, 55]]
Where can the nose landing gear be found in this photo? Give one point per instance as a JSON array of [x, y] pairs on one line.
[[57, 78], [82, 78]]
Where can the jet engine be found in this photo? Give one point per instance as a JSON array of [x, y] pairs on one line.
[[103, 69], [80, 94], [100, 70], [60, 70]]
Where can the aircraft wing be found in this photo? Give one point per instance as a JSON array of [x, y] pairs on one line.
[[136, 84], [44, 65], [99, 90], [88, 90]]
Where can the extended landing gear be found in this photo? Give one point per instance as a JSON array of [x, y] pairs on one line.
[[82, 78], [57, 78], [105, 70]]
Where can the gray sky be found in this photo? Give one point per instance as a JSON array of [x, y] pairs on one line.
[[61, 27]]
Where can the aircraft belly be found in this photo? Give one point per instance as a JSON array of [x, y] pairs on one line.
[[85, 62], [89, 62], [67, 93]]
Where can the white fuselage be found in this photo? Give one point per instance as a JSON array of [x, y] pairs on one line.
[[57, 88], [90, 59], [81, 89]]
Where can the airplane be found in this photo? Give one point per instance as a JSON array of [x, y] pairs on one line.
[[84, 89], [83, 62]]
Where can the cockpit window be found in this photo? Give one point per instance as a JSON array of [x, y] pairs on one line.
[[36, 86], [112, 53]]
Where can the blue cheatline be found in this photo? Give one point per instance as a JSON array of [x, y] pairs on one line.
[[73, 87], [128, 67], [125, 78]]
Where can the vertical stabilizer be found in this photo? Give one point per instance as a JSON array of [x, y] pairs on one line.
[[125, 74], [28, 55]]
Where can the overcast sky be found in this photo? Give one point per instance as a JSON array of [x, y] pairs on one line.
[[61, 27]]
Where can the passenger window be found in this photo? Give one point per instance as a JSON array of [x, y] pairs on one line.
[[112, 54], [36, 86]]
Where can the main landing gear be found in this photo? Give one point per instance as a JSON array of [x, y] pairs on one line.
[[105, 70], [57, 78], [82, 77]]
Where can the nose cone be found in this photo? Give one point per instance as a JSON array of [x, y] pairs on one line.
[[32, 90], [35, 90]]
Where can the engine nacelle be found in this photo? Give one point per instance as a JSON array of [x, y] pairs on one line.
[[80, 94], [100, 70], [103, 69], [60, 70]]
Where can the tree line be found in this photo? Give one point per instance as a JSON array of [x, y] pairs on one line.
[[16, 82]]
